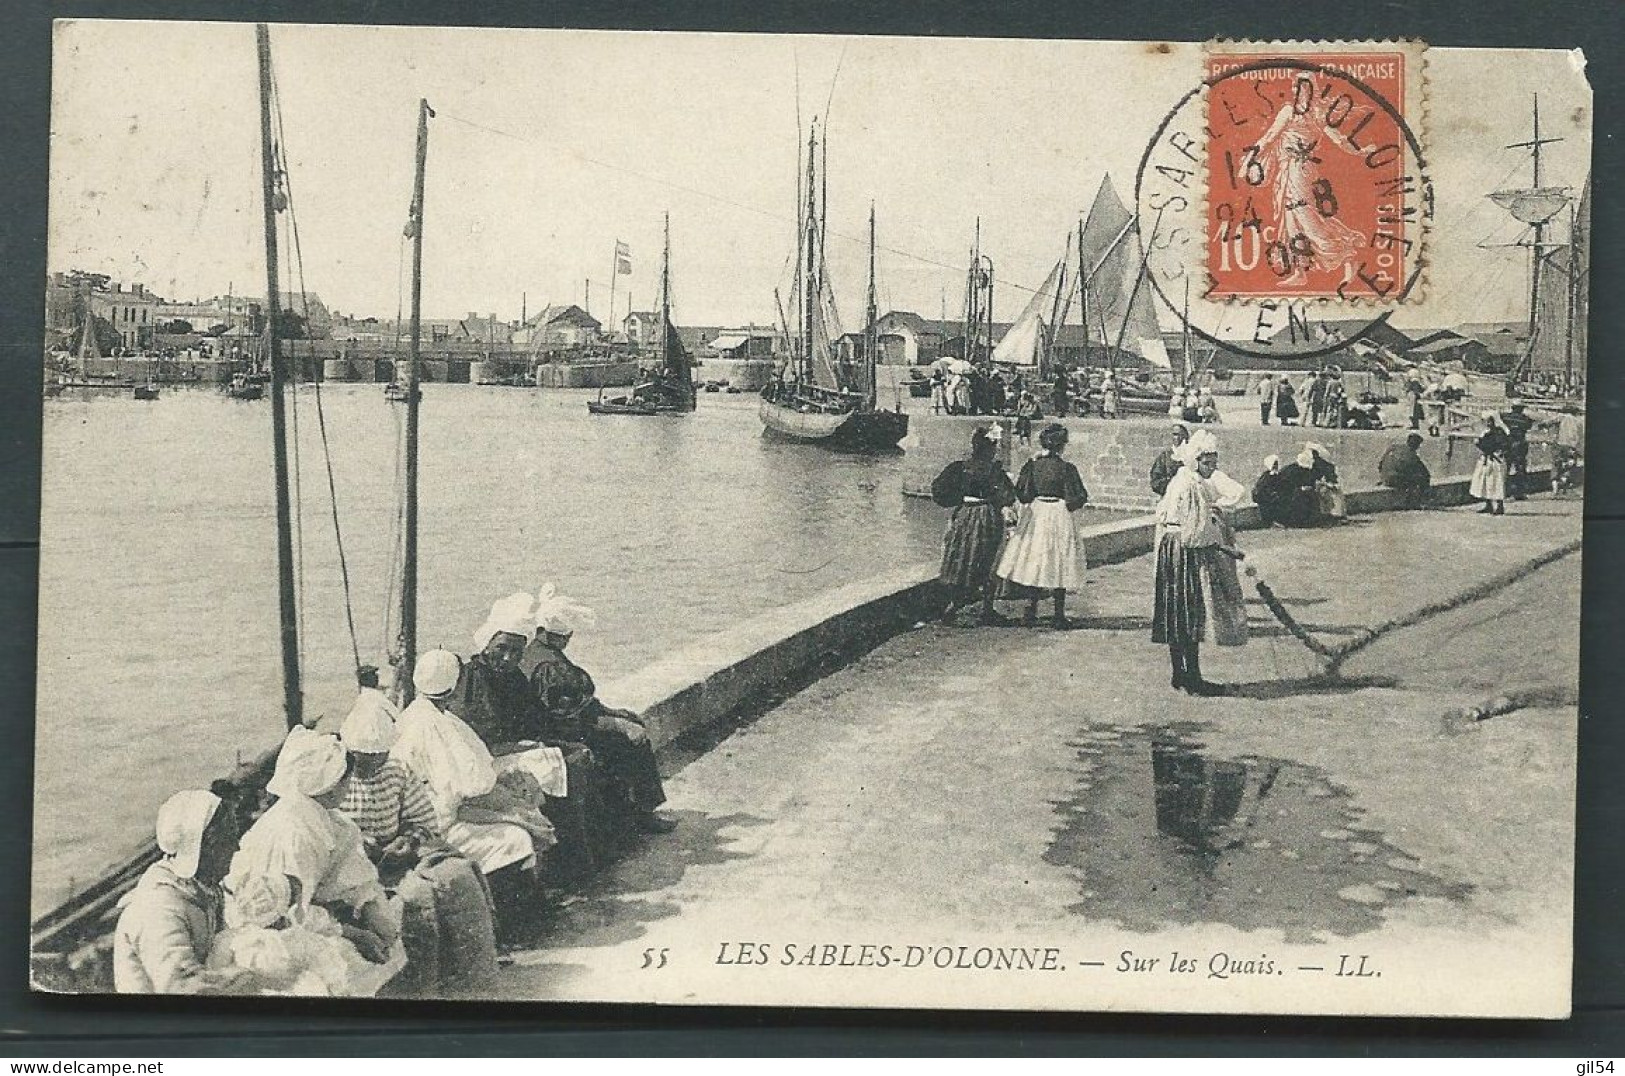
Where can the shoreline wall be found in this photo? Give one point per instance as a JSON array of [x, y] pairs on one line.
[[1114, 456]]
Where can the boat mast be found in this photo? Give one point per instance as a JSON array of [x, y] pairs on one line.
[[1134, 292], [1083, 296], [1046, 354], [809, 280], [1533, 145], [409, 558], [1573, 296], [288, 611], [871, 337], [665, 299]]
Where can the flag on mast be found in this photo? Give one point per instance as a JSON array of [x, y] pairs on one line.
[[623, 259]]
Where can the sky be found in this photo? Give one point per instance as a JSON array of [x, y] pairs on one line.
[[548, 146]]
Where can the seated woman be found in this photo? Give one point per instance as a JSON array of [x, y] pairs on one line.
[[168, 922], [495, 698], [1330, 503], [495, 823], [1271, 493], [290, 948], [302, 836], [567, 709], [446, 922], [1298, 502]]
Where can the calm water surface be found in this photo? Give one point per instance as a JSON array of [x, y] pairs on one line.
[[159, 666]]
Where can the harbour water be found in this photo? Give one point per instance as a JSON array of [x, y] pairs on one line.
[[159, 664]]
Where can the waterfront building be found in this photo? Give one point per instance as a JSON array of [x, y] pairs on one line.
[[557, 326]]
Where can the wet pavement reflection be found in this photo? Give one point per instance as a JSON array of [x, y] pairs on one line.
[[1162, 831]]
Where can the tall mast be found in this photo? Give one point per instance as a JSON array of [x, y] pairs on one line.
[[871, 341], [1539, 226], [409, 557], [823, 197], [665, 297], [1046, 354], [810, 275], [288, 610], [1083, 294], [1573, 299], [1185, 372]]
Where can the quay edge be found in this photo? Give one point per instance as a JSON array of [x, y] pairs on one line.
[[703, 686]]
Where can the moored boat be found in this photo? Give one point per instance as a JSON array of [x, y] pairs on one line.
[[670, 391], [817, 402]]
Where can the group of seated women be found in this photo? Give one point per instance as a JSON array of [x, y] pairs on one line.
[[402, 850]]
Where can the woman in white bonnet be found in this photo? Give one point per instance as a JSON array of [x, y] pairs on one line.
[[169, 921], [1197, 594], [304, 837], [486, 818], [446, 923], [565, 697]]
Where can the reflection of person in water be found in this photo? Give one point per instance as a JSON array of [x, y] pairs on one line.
[[1199, 799], [1304, 202]]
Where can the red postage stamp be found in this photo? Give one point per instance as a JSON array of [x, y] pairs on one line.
[[1311, 175]]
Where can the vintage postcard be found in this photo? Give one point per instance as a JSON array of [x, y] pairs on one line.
[[1073, 525]]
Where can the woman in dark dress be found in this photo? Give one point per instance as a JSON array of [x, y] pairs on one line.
[[1286, 403], [979, 491], [1272, 493]]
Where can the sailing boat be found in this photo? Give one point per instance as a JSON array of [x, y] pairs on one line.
[[72, 944], [87, 349], [1029, 344], [671, 390], [1119, 318], [817, 401], [1558, 271]]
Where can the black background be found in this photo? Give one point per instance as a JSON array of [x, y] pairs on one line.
[[84, 1027]]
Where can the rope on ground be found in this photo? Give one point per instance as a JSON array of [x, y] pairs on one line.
[[1499, 581], [1508, 701], [1287, 619]]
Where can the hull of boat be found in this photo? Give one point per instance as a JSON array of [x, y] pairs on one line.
[[854, 430], [617, 407]]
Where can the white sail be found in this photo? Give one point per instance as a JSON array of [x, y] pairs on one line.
[[1117, 310], [826, 330], [1152, 350], [1534, 205], [1024, 343]]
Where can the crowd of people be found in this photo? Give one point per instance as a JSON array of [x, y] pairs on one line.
[[1017, 539], [402, 850], [964, 389], [1321, 399]]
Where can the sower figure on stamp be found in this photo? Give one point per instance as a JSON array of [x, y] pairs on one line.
[[567, 707]]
